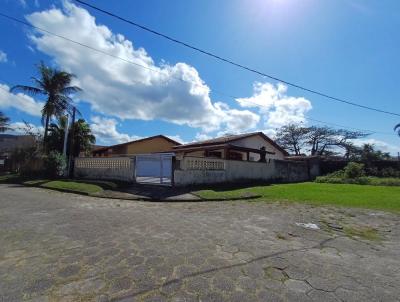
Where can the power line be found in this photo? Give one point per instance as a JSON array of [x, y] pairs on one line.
[[231, 62], [105, 53], [327, 123], [152, 69]]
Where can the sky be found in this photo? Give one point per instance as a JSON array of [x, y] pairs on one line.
[[345, 48]]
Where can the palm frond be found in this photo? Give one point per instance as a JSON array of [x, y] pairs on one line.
[[70, 90], [28, 89], [39, 83]]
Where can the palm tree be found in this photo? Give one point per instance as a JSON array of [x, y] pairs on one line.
[[397, 129], [4, 122], [55, 85], [83, 138]]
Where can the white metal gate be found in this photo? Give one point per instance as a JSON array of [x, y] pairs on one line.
[[154, 168]]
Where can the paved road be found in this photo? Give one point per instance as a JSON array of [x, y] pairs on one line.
[[63, 247]]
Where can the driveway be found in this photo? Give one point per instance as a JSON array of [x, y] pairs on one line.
[[63, 247]]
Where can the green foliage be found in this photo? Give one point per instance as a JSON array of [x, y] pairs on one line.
[[54, 84], [55, 164], [83, 139], [355, 173], [353, 170], [318, 140]]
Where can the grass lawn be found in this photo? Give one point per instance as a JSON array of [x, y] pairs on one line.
[[78, 186], [365, 196]]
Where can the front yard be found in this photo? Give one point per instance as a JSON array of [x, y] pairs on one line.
[[372, 197], [67, 185]]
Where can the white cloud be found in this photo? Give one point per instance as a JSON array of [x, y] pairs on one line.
[[278, 108], [105, 130], [3, 57], [378, 144], [203, 137], [21, 128], [174, 93], [19, 101], [177, 138]]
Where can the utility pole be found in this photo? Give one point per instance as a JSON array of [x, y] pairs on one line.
[[71, 145], [66, 130]]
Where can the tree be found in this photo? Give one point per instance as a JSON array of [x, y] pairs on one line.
[[292, 138], [317, 140], [4, 122], [369, 154], [83, 138], [324, 140], [54, 84]]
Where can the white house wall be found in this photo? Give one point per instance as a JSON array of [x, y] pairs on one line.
[[256, 142]]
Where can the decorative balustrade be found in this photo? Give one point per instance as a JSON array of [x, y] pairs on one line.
[[198, 163], [103, 163]]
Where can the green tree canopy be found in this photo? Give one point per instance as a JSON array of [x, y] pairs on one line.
[[83, 139], [55, 85]]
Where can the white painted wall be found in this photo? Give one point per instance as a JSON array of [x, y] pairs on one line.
[[115, 168], [256, 142], [235, 171]]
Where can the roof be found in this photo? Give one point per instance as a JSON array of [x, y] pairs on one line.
[[229, 139], [137, 141], [227, 145]]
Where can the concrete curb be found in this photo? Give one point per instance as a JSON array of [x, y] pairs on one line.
[[99, 195]]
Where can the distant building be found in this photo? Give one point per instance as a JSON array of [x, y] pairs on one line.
[[10, 142]]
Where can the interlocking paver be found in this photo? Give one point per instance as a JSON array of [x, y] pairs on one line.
[[62, 247]]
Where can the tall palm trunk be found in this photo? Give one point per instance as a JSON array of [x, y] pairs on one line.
[[46, 127]]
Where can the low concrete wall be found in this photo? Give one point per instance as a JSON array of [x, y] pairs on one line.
[[115, 168], [192, 170]]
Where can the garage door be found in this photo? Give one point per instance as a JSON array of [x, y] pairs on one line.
[[154, 168]]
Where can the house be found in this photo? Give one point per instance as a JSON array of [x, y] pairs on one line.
[[254, 146], [231, 158], [152, 144], [10, 142]]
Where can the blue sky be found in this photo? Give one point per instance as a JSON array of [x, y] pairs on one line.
[[348, 49]]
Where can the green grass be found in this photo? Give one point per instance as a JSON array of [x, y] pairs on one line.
[[348, 195], [77, 186]]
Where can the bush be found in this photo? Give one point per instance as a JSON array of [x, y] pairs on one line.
[[389, 172], [54, 164], [364, 180], [353, 170]]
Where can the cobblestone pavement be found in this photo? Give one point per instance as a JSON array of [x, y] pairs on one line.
[[63, 247]]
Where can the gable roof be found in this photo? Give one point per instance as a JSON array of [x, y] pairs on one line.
[[229, 139], [137, 141]]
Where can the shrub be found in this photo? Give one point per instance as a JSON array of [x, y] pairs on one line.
[[353, 170], [55, 164], [389, 172]]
